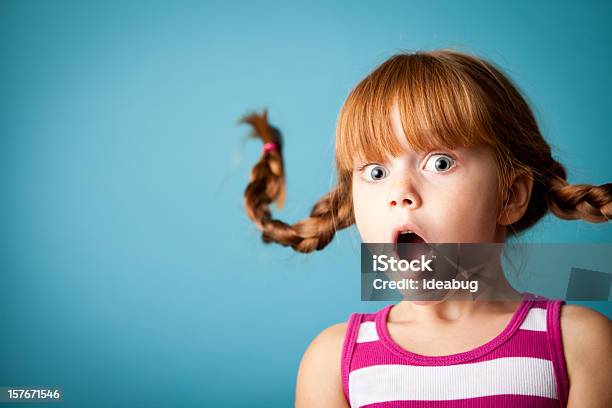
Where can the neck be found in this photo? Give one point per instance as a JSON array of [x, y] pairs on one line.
[[494, 291]]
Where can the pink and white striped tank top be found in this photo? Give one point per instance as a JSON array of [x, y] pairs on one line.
[[524, 366]]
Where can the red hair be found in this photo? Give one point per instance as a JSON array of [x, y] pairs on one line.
[[445, 99]]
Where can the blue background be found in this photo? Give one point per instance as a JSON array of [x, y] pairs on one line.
[[131, 275]]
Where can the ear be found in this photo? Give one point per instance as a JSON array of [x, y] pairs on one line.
[[517, 198]]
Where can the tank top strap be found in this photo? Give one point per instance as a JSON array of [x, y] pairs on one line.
[[555, 342], [360, 327], [545, 315]]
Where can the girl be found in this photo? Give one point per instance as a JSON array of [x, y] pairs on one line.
[[443, 144]]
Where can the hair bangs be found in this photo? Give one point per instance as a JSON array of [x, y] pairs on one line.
[[439, 107]]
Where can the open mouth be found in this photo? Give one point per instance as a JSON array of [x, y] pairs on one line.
[[415, 241], [410, 246]]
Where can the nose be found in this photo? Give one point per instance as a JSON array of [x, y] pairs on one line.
[[403, 194], [405, 201]]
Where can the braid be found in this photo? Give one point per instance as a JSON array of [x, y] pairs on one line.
[[331, 213], [579, 201], [551, 191]]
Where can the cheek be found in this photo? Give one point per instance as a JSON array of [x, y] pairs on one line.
[[467, 213], [367, 216], [361, 215]]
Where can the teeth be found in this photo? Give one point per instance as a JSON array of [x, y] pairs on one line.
[[406, 232]]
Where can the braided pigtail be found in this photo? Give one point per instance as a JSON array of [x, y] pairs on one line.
[[331, 213], [551, 191], [578, 201]]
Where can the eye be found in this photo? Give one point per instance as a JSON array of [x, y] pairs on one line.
[[375, 172], [439, 163]]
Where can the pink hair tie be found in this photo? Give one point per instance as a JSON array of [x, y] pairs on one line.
[[268, 147]]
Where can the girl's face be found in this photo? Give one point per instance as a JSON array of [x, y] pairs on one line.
[[445, 196]]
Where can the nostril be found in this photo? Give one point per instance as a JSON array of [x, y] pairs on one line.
[[407, 201]]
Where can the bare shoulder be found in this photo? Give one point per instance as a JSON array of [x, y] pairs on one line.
[[585, 330], [319, 383], [587, 344], [327, 346]]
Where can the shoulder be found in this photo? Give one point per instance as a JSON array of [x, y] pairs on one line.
[[587, 344], [327, 344], [585, 330], [319, 381], [325, 350]]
